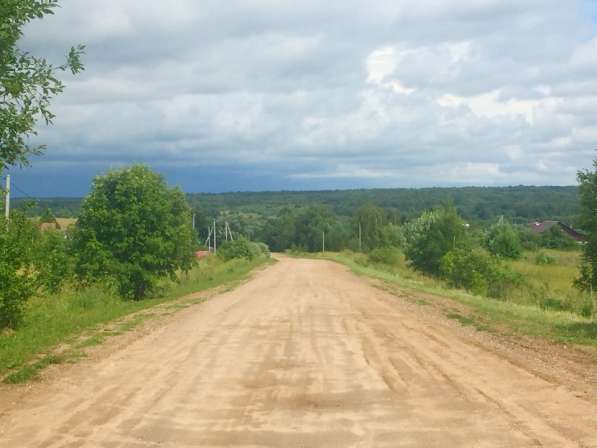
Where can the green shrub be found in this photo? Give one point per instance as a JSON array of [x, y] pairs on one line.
[[385, 255], [242, 248], [503, 241], [17, 275], [555, 238], [53, 261], [432, 236], [477, 271], [528, 240], [544, 259]]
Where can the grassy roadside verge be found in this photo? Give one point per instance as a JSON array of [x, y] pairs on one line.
[[530, 320], [61, 319]]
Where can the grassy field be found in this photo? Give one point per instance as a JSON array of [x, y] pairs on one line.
[[550, 286], [52, 320], [523, 314]]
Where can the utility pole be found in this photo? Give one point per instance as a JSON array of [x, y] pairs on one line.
[[594, 303], [323, 242], [7, 198], [228, 232], [215, 239], [360, 238], [193, 221], [208, 240]]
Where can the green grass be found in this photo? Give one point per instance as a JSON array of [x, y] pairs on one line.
[[550, 286], [62, 318], [32, 370], [519, 318]]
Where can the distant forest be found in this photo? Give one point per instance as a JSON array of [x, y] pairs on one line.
[[482, 204]]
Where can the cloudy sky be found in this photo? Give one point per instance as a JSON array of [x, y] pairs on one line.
[[262, 94]]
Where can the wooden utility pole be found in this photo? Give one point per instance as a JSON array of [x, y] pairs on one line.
[[7, 198], [360, 238], [215, 238], [229, 232], [323, 242], [594, 303], [208, 240], [193, 221]]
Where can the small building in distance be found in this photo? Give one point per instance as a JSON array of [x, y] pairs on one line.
[[541, 227]]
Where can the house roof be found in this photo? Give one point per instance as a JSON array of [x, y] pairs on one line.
[[540, 227]]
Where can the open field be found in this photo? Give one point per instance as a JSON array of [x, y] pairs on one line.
[[308, 354]]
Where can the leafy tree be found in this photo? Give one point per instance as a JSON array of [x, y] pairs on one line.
[[279, 232], [17, 275], [587, 279], [371, 219], [311, 223], [27, 83], [133, 229], [432, 236], [503, 241]]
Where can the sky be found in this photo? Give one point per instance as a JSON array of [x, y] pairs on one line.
[[271, 95]]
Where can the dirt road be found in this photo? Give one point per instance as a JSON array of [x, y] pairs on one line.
[[304, 355]]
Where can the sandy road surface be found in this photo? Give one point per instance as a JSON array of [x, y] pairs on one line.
[[304, 355]]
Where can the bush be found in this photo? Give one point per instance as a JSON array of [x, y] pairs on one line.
[[385, 255], [17, 275], [392, 235], [477, 271], [528, 240], [544, 259], [503, 241], [432, 236], [242, 248], [555, 238], [53, 261]]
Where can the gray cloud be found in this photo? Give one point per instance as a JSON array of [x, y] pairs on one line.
[[371, 92]]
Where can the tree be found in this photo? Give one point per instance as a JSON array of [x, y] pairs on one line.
[[133, 229], [279, 232], [311, 223], [503, 241], [371, 219], [432, 236], [587, 279], [27, 83], [17, 275]]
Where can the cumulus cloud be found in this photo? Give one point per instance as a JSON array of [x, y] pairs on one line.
[[330, 94]]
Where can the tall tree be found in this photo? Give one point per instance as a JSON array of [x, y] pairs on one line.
[[27, 83], [371, 219], [588, 221], [133, 229]]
